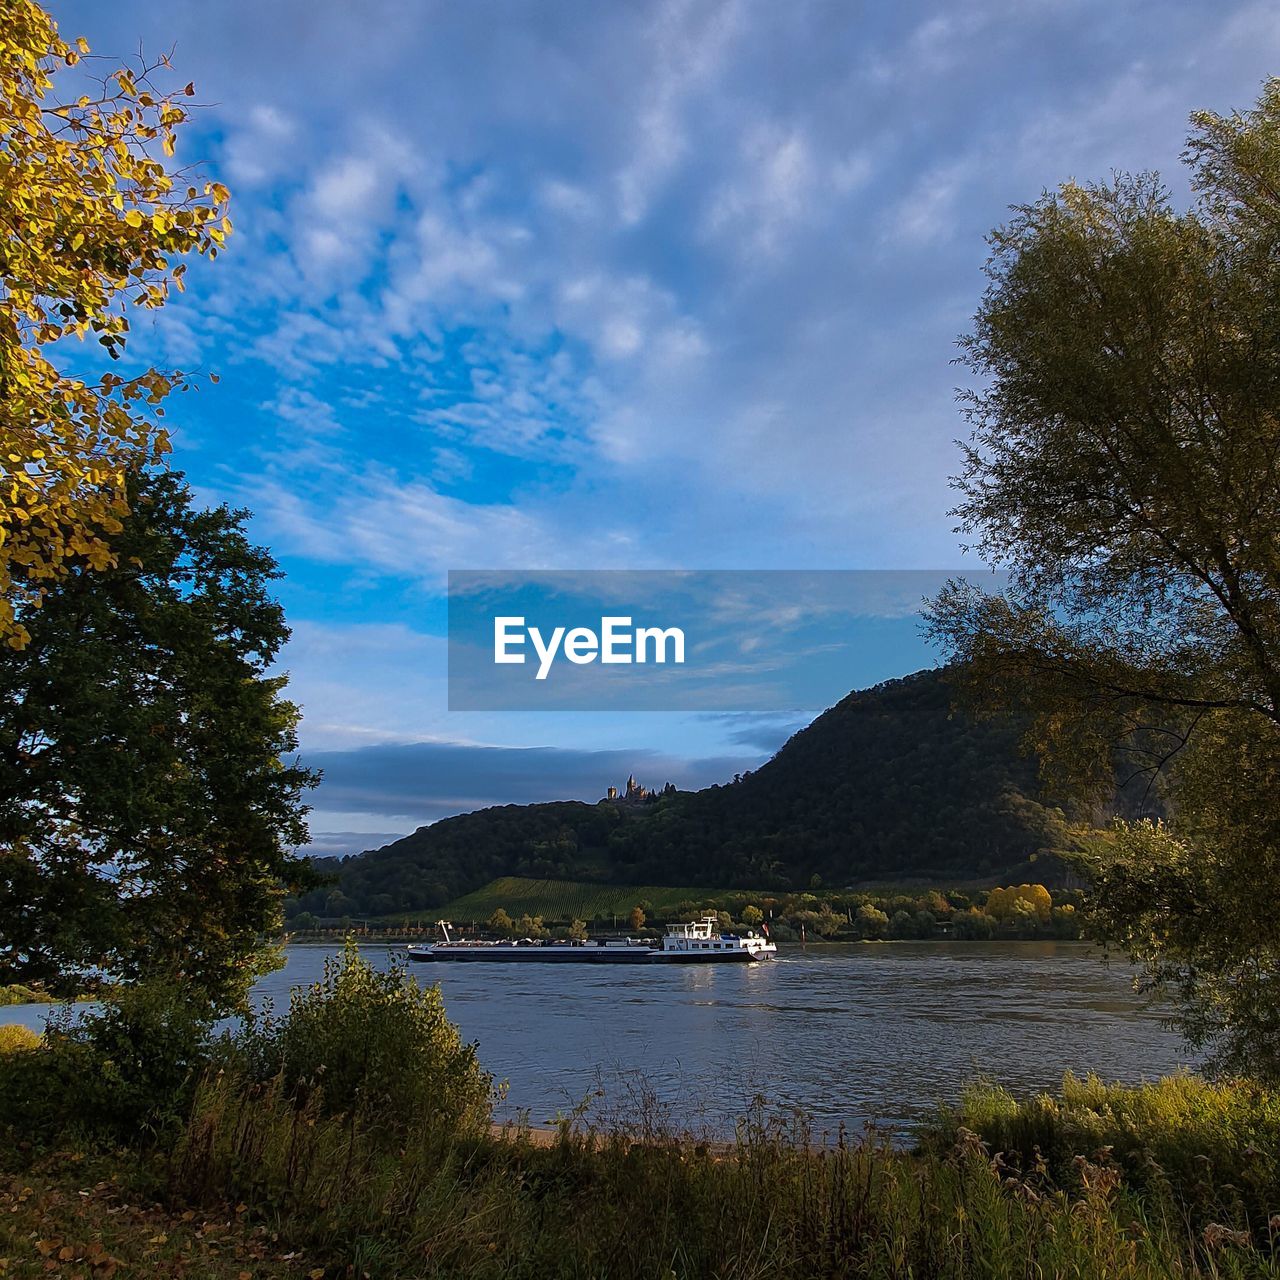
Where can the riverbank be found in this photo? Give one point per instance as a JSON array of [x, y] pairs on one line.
[[327, 1200], [353, 1136], [16, 994]]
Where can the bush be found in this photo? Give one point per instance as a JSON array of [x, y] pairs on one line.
[[15, 1038], [1216, 1146], [125, 1070], [371, 1042]]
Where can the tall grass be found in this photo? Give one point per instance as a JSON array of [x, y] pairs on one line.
[[770, 1204], [1210, 1148]]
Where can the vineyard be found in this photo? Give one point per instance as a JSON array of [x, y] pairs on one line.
[[573, 899]]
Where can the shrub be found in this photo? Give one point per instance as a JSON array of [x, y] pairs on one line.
[[371, 1042], [1216, 1146], [15, 1038], [123, 1071]]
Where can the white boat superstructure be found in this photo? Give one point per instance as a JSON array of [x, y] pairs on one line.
[[704, 938], [698, 942]]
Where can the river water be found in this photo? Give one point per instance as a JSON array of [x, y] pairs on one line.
[[849, 1034]]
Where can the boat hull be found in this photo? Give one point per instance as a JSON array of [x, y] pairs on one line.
[[579, 955]]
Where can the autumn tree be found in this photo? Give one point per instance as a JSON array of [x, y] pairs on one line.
[[93, 222], [636, 919], [501, 922], [149, 802], [870, 921], [1125, 468]]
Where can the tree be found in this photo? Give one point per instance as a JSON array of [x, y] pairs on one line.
[[92, 225], [148, 807], [530, 927], [1125, 468], [636, 919], [973, 924], [578, 930], [752, 915], [501, 922], [870, 921]]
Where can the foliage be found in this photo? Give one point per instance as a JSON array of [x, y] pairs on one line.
[[827, 913], [146, 816], [15, 1038], [769, 1203], [1216, 1147], [118, 1072], [1034, 898], [1188, 906], [871, 922], [502, 924], [369, 1042], [974, 924], [636, 919], [94, 223], [1123, 467]]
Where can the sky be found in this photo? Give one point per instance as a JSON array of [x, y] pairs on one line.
[[663, 284]]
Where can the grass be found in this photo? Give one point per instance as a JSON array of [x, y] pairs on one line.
[[571, 899], [1214, 1146], [256, 1186]]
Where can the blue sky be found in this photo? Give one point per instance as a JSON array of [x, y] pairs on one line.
[[581, 286]]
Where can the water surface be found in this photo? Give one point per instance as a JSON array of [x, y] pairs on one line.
[[850, 1034]]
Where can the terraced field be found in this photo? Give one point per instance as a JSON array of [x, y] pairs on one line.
[[570, 899]]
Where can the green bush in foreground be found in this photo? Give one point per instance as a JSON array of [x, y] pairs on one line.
[[372, 1042], [124, 1070]]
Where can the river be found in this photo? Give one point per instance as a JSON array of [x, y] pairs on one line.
[[849, 1034]]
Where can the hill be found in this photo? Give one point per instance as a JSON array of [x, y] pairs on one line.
[[889, 784], [566, 899]]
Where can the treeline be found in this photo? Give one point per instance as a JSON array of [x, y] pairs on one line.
[[891, 783], [1020, 912]]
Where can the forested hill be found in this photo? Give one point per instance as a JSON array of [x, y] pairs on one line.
[[888, 784]]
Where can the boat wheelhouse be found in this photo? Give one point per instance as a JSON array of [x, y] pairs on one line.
[[704, 939]]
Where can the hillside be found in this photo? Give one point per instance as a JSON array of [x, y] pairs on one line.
[[888, 784]]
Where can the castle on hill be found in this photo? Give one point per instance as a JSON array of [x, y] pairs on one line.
[[635, 793]]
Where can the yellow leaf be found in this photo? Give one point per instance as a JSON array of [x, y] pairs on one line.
[[133, 218]]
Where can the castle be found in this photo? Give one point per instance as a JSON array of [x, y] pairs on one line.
[[635, 793]]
